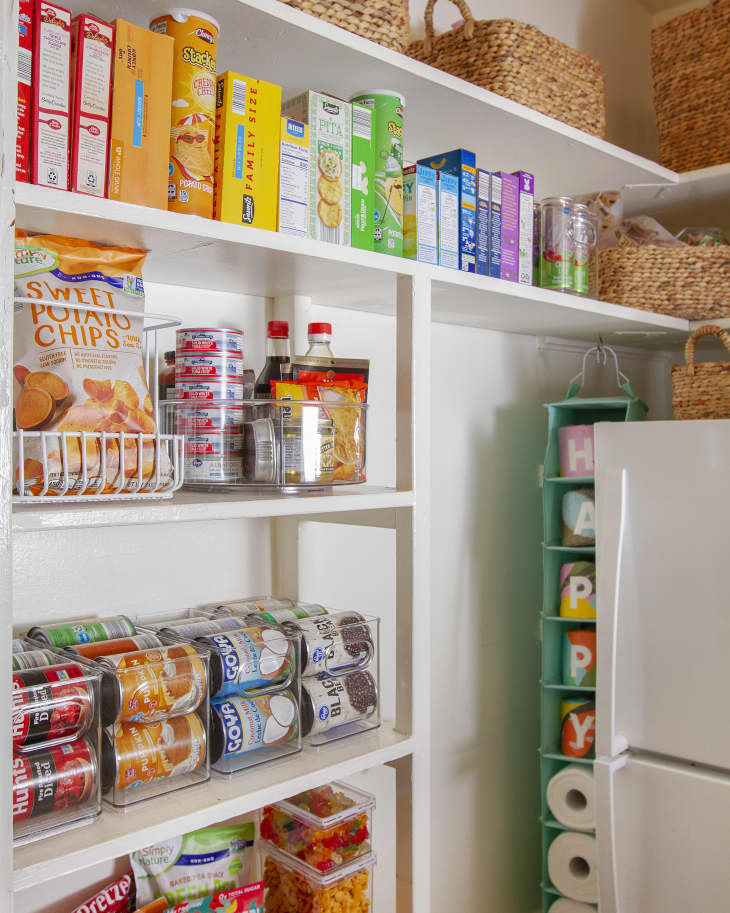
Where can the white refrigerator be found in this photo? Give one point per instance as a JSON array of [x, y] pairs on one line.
[[662, 773]]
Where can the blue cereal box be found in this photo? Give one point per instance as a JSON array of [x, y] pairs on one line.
[[495, 224], [482, 247], [448, 213], [463, 165], [420, 214]]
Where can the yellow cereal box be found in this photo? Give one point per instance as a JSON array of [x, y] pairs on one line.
[[247, 136], [140, 126]]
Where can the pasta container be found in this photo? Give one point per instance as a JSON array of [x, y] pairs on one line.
[[290, 886]]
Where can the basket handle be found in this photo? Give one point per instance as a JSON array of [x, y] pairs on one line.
[[709, 329], [428, 17]]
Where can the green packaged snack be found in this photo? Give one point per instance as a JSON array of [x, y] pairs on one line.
[[363, 179]]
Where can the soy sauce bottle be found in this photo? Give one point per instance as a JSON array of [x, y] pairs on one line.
[[278, 358]]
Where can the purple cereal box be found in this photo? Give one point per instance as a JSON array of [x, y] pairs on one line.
[[527, 206], [510, 262]]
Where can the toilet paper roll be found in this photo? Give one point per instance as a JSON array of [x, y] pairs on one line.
[[571, 797], [571, 906], [573, 866]]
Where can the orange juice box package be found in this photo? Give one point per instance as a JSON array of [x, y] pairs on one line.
[[247, 138], [51, 87], [141, 104], [192, 129], [92, 47], [76, 370]]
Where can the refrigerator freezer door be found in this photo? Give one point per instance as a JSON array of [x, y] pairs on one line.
[[663, 589], [663, 836]]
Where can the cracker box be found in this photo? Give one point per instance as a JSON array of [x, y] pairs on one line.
[[330, 163], [51, 87], [420, 214], [462, 164], [495, 224], [293, 178], [247, 141], [25, 101], [510, 262], [482, 245], [363, 177], [526, 184], [92, 47], [139, 149], [448, 219]]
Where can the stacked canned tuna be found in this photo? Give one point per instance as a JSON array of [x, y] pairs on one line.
[[210, 389]]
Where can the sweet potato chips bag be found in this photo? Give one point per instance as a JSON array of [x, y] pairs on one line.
[[78, 370]]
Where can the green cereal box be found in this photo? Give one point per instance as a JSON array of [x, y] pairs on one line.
[[330, 163], [363, 178]]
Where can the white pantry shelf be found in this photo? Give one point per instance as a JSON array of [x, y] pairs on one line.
[[699, 197], [189, 506], [118, 833]]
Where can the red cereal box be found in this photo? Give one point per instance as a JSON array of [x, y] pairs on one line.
[[25, 101], [51, 86], [92, 46]]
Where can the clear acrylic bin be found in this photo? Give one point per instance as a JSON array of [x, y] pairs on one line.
[[325, 828], [292, 887], [283, 444], [56, 733]]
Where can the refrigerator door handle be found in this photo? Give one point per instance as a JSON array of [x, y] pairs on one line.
[[608, 887], [619, 743]]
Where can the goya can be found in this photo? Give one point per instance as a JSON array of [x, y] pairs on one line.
[[51, 704], [333, 643], [192, 131], [210, 340], [33, 659], [53, 779], [242, 724], [66, 634], [134, 754], [388, 108], [556, 243], [151, 685], [119, 645], [328, 701], [248, 659]]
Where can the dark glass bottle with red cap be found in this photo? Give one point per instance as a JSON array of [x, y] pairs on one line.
[[278, 358]]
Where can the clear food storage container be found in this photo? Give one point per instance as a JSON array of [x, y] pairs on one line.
[[56, 733], [292, 887], [325, 828], [284, 444]]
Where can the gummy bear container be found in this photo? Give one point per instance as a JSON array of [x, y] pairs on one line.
[[325, 828], [292, 887]]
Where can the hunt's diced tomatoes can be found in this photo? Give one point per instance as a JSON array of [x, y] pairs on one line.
[[53, 779], [25, 101], [51, 704]]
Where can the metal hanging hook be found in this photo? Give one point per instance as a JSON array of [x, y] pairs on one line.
[[601, 351]]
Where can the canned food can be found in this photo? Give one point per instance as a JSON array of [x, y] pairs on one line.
[[134, 754], [206, 390], [241, 724], [33, 659], [329, 701], [208, 367], [209, 418], [53, 779], [260, 451], [196, 340], [51, 704], [249, 658], [19, 646], [214, 443], [150, 685], [245, 606], [200, 626], [119, 645], [585, 260], [214, 456], [556, 243], [333, 643], [68, 633], [308, 451]]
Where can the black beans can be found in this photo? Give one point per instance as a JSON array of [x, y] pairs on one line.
[[332, 701], [334, 643]]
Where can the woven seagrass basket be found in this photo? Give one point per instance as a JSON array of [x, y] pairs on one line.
[[520, 62], [688, 282], [691, 67], [384, 21], [702, 390]]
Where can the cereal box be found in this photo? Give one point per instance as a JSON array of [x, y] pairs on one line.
[[51, 86], [448, 213], [92, 46], [526, 183], [482, 246], [495, 224], [363, 177], [420, 214], [25, 68], [509, 265], [293, 177], [140, 128], [462, 164], [330, 163], [247, 141]]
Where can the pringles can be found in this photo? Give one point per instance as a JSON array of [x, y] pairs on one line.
[[388, 108], [192, 130]]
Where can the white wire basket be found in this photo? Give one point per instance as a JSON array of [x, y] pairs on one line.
[[95, 465]]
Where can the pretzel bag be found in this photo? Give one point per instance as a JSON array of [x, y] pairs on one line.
[[79, 370]]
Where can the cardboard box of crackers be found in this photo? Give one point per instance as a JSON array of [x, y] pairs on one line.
[[293, 178]]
